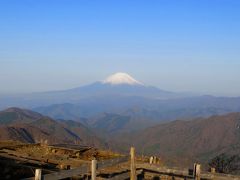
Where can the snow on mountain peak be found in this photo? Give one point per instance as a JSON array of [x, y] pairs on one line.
[[121, 78]]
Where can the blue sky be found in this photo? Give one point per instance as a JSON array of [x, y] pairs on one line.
[[176, 45]]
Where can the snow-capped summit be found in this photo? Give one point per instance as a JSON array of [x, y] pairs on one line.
[[121, 78]]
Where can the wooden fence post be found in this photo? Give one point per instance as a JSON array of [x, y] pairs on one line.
[[154, 160], [197, 171], [133, 165], [151, 160], [212, 170], [94, 167], [38, 174]]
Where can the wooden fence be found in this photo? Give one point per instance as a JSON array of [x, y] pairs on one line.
[[84, 169], [136, 169]]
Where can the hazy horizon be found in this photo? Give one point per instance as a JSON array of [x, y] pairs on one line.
[[102, 81], [187, 46]]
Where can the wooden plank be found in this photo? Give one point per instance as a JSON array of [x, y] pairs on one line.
[[67, 173], [120, 176], [69, 149], [175, 172], [72, 146], [26, 159], [111, 162], [219, 176], [163, 170], [124, 175]]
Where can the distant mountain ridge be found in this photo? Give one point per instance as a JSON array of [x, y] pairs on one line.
[[143, 111], [31, 127], [196, 140], [17, 116]]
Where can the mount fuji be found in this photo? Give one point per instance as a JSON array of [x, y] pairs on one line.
[[121, 84], [121, 78], [115, 86]]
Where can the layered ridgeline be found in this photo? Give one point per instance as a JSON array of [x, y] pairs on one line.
[[124, 102], [31, 127], [183, 142], [141, 111]]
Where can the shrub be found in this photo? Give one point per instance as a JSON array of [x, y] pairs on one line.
[[224, 163]]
